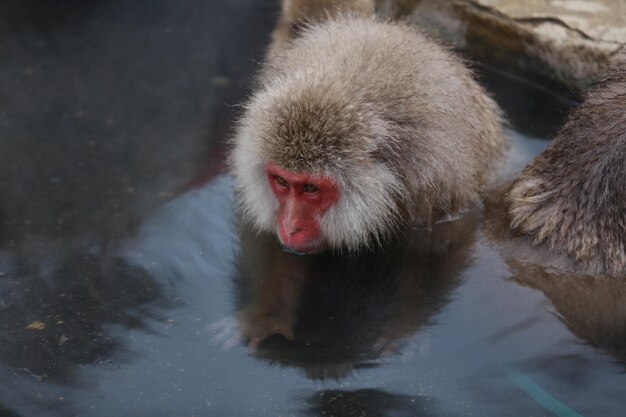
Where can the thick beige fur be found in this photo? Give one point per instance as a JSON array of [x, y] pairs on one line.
[[397, 120], [572, 197]]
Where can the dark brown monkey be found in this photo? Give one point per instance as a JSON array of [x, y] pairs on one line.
[[572, 197], [359, 127]]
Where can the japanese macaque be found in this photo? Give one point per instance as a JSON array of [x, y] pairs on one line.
[[571, 200], [327, 313], [359, 129]]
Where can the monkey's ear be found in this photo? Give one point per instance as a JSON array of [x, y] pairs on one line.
[[295, 15], [296, 28]]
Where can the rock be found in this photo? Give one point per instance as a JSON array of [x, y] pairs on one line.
[[567, 41]]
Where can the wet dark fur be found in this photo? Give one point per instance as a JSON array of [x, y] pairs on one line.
[[572, 197]]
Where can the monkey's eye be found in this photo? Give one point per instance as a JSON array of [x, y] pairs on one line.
[[281, 181], [310, 189]]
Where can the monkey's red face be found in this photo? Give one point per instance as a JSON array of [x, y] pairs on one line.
[[303, 199]]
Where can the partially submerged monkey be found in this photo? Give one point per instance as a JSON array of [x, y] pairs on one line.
[[359, 128], [572, 197]]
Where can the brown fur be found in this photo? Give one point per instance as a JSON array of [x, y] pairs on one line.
[[395, 118], [572, 197]]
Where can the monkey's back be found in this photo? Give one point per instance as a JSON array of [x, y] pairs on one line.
[[572, 197], [438, 130]]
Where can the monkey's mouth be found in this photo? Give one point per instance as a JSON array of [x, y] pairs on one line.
[[308, 249], [299, 243], [296, 252]]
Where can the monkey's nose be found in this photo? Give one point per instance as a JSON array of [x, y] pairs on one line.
[[294, 230], [288, 232]]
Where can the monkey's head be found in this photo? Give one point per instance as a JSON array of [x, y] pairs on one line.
[[310, 165]]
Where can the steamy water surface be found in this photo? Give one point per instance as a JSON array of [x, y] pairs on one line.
[[126, 291]]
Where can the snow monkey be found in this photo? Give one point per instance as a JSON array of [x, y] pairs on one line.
[[572, 197], [358, 129]]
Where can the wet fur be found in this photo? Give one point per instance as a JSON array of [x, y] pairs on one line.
[[393, 117], [572, 197]]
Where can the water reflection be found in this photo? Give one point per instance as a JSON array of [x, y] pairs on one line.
[[5, 412], [365, 402], [108, 110], [55, 318], [592, 307], [330, 314]]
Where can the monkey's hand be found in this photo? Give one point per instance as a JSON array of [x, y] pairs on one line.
[[256, 325], [226, 333], [251, 328]]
